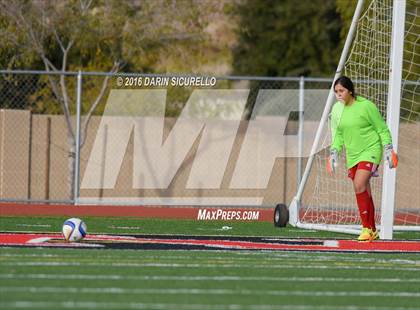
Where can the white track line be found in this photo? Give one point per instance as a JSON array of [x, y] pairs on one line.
[[201, 265], [172, 306], [299, 258], [195, 291], [114, 277]]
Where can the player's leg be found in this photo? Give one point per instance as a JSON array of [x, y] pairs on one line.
[[374, 173], [371, 212], [361, 186]]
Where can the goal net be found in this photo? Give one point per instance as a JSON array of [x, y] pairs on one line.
[[330, 202]]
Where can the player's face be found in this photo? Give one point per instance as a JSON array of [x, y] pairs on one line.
[[343, 94]]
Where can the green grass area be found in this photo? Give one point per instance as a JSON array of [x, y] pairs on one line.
[[42, 278], [121, 225]]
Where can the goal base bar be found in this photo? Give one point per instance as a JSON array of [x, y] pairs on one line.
[[349, 229]]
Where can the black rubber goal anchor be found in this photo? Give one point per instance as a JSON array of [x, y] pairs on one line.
[[281, 215]]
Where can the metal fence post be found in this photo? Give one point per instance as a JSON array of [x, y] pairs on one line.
[[78, 133], [300, 132]]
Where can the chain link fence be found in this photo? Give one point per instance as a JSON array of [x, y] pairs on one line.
[[34, 149], [40, 131]]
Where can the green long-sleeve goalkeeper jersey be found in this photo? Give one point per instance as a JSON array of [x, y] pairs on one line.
[[361, 129]]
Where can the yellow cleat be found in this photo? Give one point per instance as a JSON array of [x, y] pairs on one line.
[[374, 235], [365, 235]]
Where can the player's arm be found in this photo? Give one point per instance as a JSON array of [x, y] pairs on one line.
[[332, 161], [382, 129], [337, 139]]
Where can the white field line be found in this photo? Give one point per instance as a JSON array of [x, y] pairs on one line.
[[198, 265], [125, 227], [195, 291], [33, 225], [331, 257], [302, 257], [43, 276], [39, 240], [31, 255], [168, 306]]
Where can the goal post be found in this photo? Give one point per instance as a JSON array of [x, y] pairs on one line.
[[393, 115], [382, 57]]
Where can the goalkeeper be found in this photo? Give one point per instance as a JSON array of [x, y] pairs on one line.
[[357, 125]]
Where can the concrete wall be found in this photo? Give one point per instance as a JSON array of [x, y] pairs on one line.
[[14, 153]]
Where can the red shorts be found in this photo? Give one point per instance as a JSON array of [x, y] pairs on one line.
[[363, 165]]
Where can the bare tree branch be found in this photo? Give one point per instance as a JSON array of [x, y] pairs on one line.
[[58, 40], [88, 116], [54, 87], [84, 5], [49, 65], [58, 94], [63, 84]]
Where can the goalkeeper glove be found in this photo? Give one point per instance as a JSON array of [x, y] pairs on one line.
[[332, 162], [390, 156]]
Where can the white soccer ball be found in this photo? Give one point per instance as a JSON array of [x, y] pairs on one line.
[[74, 230]]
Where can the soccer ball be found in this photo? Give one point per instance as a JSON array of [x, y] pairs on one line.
[[74, 230]]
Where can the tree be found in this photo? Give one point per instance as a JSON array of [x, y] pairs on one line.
[[288, 38], [52, 30], [57, 36]]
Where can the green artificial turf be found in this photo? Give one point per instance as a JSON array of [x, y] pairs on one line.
[[47, 278], [129, 279], [121, 225]]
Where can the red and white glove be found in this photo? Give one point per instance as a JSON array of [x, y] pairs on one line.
[[390, 156], [332, 162]]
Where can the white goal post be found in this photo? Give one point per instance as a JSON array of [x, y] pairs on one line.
[[381, 55]]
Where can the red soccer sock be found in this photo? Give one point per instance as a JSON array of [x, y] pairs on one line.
[[363, 203], [372, 214]]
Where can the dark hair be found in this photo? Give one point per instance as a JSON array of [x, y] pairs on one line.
[[346, 83]]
